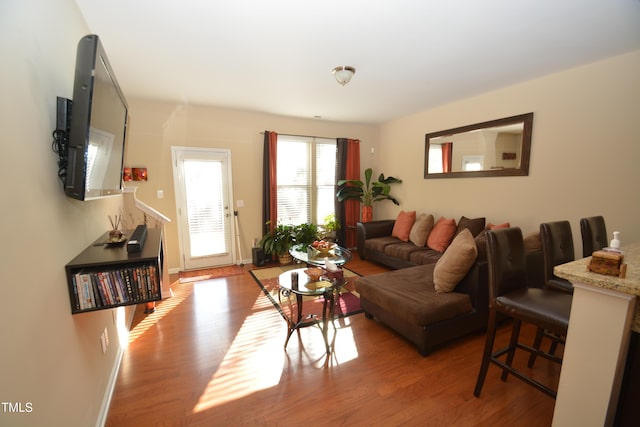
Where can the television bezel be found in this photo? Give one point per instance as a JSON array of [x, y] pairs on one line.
[[90, 51]]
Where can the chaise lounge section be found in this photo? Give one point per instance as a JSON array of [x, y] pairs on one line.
[[406, 300]]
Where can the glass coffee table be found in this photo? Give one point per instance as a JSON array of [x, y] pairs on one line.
[[306, 287], [337, 254]]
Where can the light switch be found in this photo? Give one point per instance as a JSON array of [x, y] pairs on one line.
[[240, 203], [160, 194]]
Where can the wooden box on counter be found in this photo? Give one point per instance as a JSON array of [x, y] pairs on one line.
[[608, 262]]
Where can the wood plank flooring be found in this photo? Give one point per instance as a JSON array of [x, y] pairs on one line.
[[213, 355]]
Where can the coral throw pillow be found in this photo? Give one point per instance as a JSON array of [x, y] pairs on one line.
[[498, 226], [403, 224], [455, 263], [442, 234], [421, 229]]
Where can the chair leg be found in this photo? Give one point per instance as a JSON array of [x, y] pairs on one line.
[[536, 344], [486, 355], [513, 344]]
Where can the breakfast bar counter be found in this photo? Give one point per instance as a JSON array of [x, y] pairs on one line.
[[604, 316]]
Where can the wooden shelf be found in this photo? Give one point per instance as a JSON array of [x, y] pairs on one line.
[[104, 276]]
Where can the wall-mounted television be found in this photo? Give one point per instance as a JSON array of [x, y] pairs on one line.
[[98, 126]]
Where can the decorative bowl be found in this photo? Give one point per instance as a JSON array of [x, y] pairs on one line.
[[314, 273], [323, 248]]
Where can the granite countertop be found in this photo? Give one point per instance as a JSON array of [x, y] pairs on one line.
[[576, 271]]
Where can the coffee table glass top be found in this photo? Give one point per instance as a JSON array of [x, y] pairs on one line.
[[306, 286], [338, 255]]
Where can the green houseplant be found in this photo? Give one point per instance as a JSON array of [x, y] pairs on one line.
[[283, 237], [367, 192], [305, 234], [278, 242], [330, 226]]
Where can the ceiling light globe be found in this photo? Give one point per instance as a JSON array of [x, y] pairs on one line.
[[343, 74]]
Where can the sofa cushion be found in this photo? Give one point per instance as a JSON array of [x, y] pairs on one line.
[[442, 234], [379, 243], [428, 256], [532, 242], [402, 250], [410, 295], [475, 225], [403, 224], [455, 262], [421, 229]]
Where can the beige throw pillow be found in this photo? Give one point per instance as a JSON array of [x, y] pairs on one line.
[[455, 262], [421, 229]]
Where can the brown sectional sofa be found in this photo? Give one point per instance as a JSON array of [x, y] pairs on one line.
[[406, 299]]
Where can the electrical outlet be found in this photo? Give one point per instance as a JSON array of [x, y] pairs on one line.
[[104, 340], [103, 344]]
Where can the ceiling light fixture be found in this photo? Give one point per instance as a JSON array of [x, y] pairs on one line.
[[343, 74]]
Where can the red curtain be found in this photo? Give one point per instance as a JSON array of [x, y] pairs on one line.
[[447, 153], [269, 182]]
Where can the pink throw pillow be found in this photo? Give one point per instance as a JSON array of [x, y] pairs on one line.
[[442, 234], [498, 226], [403, 224]]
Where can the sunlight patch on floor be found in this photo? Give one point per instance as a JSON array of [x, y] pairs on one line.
[[254, 362], [163, 308], [255, 359]]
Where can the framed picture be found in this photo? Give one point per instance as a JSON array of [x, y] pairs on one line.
[[139, 174]]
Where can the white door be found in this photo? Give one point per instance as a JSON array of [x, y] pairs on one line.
[[202, 179]]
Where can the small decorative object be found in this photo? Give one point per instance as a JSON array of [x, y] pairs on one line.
[[608, 262], [294, 280], [615, 243], [139, 174], [314, 273], [321, 249], [323, 246], [115, 235]]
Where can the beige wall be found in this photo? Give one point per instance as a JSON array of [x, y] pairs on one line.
[[49, 357], [585, 153], [584, 161], [155, 127]]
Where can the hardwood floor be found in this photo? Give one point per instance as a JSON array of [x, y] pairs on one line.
[[213, 355]]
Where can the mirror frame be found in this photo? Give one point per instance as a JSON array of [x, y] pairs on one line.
[[523, 170]]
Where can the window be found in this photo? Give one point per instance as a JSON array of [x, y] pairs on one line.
[[306, 179]]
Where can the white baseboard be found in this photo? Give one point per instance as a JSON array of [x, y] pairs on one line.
[[111, 384]]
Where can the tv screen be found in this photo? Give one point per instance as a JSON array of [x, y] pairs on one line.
[[98, 126]]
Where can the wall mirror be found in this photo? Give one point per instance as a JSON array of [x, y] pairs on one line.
[[494, 148]]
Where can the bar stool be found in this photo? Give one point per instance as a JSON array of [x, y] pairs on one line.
[[557, 248], [509, 295], [594, 234]]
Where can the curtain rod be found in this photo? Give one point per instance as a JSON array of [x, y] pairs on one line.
[[303, 136]]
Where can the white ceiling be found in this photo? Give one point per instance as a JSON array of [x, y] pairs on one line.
[[410, 55]]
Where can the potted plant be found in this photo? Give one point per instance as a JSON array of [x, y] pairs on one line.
[[305, 234], [367, 192], [330, 226], [278, 242]]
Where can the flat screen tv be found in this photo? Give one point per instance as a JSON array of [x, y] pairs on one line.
[[98, 126]]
